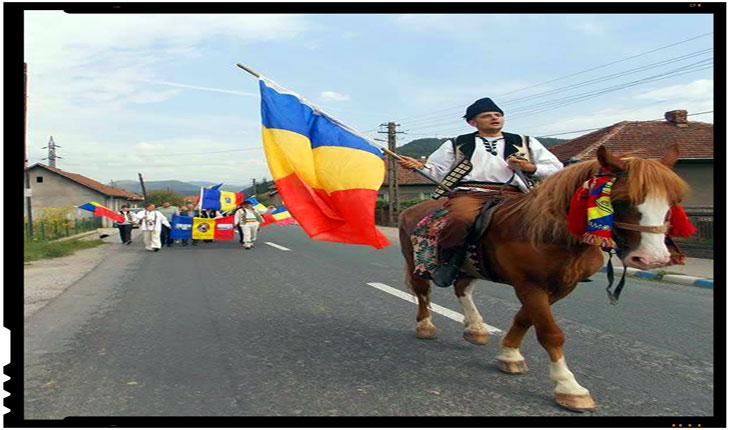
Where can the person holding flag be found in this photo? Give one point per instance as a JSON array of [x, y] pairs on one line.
[[125, 227], [248, 219]]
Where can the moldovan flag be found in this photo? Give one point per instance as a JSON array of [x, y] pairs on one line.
[[213, 198], [328, 175], [100, 210]]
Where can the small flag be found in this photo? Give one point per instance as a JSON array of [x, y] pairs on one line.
[[327, 174], [100, 210], [257, 205], [282, 216]]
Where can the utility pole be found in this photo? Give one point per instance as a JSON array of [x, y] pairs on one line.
[[52, 152], [25, 150], [144, 190], [393, 195], [254, 187]]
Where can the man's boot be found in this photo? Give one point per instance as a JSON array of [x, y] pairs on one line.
[[450, 261]]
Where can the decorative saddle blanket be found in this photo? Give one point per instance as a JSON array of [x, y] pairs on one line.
[[425, 249]]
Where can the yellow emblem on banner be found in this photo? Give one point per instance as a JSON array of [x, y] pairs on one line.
[[203, 228]]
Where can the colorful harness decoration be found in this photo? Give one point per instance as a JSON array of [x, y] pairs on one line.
[[590, 218]]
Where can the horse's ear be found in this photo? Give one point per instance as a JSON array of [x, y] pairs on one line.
[[609, 161], [671, 156]]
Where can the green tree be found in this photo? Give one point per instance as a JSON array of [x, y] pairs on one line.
[[159, 196]]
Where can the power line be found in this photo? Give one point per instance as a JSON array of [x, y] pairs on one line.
[[567, 76], [589, 82], [557, 103]]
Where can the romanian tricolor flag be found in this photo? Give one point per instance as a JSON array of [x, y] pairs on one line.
[[100, 210], [282, 216], [213, 198], [328, 175], [257, 205]]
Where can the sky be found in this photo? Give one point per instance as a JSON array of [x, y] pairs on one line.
[[166, 99]]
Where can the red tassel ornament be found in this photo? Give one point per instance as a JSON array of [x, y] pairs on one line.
[[680, 225], [577, 213]]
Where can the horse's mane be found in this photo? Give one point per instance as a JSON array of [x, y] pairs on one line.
[[545, 209]]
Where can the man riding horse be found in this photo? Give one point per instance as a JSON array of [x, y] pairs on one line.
[[478, 166]]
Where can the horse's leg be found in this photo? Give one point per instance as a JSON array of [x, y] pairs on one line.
[[567, 392], [509, 359], [422, 289], [475, 330]]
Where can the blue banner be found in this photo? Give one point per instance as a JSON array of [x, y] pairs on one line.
[[182, 227]]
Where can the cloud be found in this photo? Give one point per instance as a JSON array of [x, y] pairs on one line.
[[92, 78], [334, 96], [696, 90]]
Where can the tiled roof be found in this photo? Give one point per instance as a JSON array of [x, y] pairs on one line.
[[646, 139], [406, 177], [94, 185]]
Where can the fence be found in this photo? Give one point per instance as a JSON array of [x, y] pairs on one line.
[[700, 244], [51, 230]]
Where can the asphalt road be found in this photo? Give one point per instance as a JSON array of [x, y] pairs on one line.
[[219, 330]]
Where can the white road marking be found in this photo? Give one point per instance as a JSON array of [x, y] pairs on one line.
[[448, 313], [277, 246]]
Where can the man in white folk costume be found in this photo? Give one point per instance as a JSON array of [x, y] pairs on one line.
[[477, 166], [248, 220], [150, 223]]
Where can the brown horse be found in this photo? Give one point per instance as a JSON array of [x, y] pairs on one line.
[[528, 246]]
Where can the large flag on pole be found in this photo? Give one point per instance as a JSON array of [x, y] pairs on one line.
[[327, 174], [213, 198], [100, 210]]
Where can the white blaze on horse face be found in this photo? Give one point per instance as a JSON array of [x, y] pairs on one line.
[[652, 252], [564, 379]]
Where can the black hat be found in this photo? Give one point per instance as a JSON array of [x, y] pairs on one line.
[[482, 105]]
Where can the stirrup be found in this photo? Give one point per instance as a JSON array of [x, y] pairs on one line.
[[447, 272]]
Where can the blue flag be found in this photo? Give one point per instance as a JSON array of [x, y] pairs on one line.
[[182, 227]]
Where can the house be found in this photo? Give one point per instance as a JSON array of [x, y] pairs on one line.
[[649, 139], [411, 185], [52, 187]]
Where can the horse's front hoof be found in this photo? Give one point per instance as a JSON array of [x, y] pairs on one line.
[[512, 367], [577, 403], [476, 338], [426, 332]]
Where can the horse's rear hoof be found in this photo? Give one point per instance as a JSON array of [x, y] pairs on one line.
[[512, 367], [576, 403], [476, 338], [427, 332]]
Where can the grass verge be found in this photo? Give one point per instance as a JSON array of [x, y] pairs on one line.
[[43, 249]]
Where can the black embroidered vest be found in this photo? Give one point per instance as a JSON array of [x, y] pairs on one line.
[[466, 143]]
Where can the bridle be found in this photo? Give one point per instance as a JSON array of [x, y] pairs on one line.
[[622, 244]]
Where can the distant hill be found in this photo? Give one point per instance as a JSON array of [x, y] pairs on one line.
[[185, 188], [424, 147]]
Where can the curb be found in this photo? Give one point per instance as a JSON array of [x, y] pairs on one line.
[[78, 236], [674, 279]]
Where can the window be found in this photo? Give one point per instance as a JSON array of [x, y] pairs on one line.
[[39, 179]]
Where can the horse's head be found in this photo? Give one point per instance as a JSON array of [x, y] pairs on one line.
[[642, 198]]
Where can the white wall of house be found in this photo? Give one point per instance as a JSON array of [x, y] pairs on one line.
[[57, 191]]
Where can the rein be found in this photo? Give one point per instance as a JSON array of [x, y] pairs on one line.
[[660, 229]]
